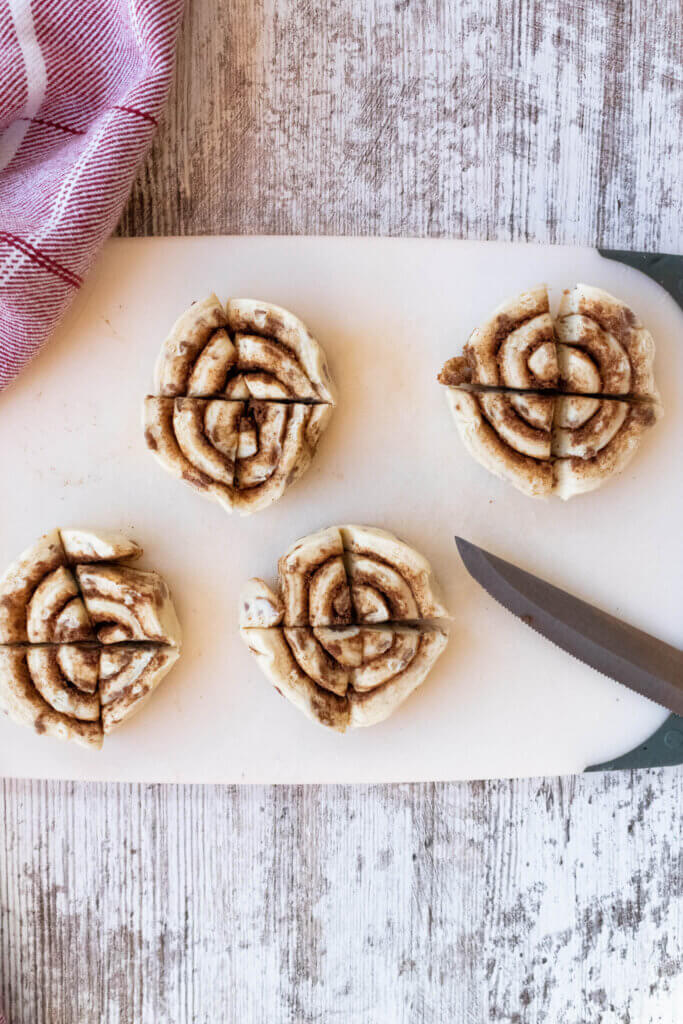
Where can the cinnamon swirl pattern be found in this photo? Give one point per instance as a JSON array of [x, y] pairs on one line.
[[513, 348], [242, 396], [555, 407], [356, 626], [603, 348], [84, 639]]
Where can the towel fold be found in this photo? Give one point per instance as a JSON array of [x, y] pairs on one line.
[[82, 83]]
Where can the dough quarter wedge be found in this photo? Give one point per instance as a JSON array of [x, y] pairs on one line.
[[128, 604], [397, 575], [603, 348], [39, 597], [128, 676], [21, 701], [532, 475], [315, 590], [276, 661], [595, 439], [514, 347]]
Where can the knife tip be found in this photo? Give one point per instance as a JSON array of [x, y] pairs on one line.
[[462, 544]]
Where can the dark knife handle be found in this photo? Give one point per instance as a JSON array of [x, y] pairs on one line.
[[661, 750], [664, 268]]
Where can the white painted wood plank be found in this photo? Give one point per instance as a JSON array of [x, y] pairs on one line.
[[537, 901], [538, 120]]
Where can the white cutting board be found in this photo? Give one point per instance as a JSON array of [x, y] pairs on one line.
[[501, 701]]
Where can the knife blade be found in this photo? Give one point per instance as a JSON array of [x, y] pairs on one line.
[[645, 664]]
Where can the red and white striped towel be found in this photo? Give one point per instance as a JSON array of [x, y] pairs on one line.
[[81, 86]]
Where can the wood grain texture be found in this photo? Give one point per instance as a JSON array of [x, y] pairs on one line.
[[554, 901], [543, 902], [543, 120]]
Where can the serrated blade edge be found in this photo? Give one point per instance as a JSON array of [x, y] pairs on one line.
[[633, 658]]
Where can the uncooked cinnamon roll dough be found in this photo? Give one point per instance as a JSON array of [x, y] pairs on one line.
[[242, 396], [556, 407], [85, 639], [356, 625]]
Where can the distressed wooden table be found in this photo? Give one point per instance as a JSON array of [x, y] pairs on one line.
[[556, 900]]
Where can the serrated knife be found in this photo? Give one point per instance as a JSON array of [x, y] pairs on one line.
[[645, 664], [665, 745]]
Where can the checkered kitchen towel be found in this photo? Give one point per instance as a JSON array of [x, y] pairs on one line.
[[81, 86]]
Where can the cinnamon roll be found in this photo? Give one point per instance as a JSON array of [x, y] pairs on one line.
[[243, 394], [534, 401], [67, 610], [356, 628]]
